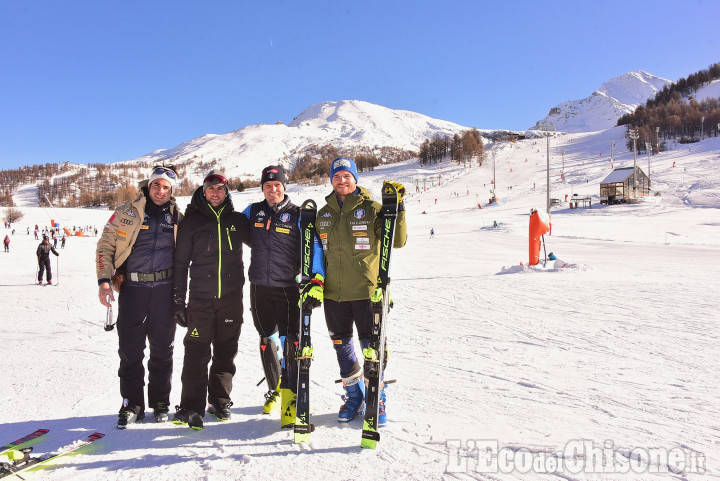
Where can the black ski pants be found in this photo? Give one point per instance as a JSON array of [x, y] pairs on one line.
[[213, 330], [145, 312], [275, 309], [45, 266], [340, 318]]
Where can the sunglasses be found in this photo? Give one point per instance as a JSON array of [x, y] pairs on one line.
[[214, 179], [164, 171]]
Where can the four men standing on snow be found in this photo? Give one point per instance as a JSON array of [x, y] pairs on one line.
[[209, 245]]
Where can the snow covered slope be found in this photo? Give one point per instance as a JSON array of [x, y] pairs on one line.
[[602, 109], [617, 353]]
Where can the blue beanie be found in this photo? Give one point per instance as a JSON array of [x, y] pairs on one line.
[[343, 163]]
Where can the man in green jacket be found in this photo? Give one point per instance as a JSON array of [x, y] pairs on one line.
[[350, 229]]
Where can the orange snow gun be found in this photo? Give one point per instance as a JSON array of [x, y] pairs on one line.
[[539, 226]]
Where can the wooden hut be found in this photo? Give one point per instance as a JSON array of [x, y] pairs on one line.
[[618, 186]]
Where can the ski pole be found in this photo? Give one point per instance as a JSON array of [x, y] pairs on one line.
[[57, 270]]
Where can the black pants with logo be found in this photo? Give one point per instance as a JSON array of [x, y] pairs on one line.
[[276, 309], [212, 334], [145, 312]]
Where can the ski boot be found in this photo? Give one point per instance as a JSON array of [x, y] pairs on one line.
[[382, 415], [354, 397], [128, 416], [272, 401], [221, 411], [188, 417], [160, 411], [288, 404]]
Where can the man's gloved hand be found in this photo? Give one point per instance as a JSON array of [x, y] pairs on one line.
[[312, 294], [400, 189], [377, 296], [179, 313]]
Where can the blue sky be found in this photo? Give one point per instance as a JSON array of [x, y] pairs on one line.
[[101, 81]]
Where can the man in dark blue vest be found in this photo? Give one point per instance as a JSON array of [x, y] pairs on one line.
[[274, 294]]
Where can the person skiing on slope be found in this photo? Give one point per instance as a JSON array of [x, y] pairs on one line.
[[43, 257], [209, 243], [138, 242], [6, 243], [274, 294], [350, 229]]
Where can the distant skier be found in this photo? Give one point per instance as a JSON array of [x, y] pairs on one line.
[[43, 256], [432, 232], [62, 242], [6, 243]]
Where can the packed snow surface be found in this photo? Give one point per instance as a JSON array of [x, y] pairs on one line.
[[617, 352]]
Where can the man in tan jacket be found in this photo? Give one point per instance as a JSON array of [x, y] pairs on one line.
[[138, 242]]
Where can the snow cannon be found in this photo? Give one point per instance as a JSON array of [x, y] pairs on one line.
[[67, 231], [539, 226]]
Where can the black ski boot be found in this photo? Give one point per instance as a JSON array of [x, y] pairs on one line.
[[187, 417]]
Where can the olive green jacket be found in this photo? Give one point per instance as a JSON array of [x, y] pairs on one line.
[[351, 243]]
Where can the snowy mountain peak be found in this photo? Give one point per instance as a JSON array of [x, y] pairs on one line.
[[347, 124], [601, 110]]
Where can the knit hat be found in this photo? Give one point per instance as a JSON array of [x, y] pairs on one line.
[[343, 163], [166, 173], [273, 172], [215, 179]]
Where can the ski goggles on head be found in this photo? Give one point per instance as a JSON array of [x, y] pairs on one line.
[[214, 179], [164, 171]]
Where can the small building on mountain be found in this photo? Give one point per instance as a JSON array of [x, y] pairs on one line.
[[618, 186]]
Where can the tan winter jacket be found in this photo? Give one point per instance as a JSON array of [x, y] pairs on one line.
[[119, 234]]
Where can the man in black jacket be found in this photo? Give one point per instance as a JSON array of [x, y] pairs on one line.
[[43, 257], [209, 243]]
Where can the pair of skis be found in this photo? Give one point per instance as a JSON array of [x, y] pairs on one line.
[[375, 355], [304, 352], [19, 458]]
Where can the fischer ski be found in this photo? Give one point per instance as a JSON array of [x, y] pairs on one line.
[[304, 353], [375, 354], [27, 462], [23, 441]]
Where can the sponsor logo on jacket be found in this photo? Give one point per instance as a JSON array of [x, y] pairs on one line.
[[359, 213]]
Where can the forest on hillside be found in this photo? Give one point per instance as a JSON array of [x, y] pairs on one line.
[[674, 113]]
